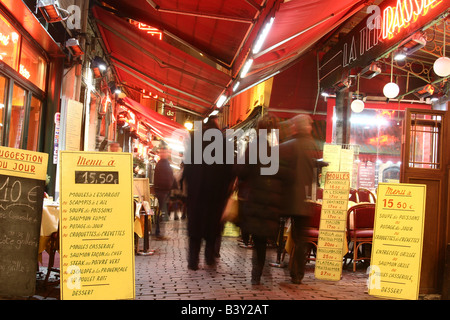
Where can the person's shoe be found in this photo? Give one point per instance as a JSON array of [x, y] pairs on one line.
[[211, 262], [193, 267], [296, 280], [255, 281], [246, 246]]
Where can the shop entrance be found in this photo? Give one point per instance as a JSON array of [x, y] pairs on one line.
[[425, 160]]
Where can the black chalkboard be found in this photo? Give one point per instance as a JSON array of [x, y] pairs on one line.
[[21, 202]]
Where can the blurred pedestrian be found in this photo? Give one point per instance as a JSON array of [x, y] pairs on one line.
[[261, 201], [163, 182], [298, 152], [114, 147], [208, 187]]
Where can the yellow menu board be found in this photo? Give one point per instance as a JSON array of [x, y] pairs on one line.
[[96, 226], [397, 241], [333, 220]]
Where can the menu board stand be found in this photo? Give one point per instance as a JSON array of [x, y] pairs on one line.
[[397, 241], [22, 182], [96, 226], [332, 228]]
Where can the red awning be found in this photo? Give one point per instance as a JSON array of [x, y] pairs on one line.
[[206, 43], [298, 25], [145, 62], [160, 125]]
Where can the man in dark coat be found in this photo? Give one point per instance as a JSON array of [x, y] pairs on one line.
[[261, 202], [163, 183], [298, 152], [207, 191]]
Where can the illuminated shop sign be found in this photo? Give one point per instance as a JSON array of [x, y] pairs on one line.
[[385, 26], [404, 13], [149, 29]]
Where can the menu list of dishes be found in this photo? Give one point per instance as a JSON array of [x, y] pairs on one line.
[[333, 219], [96, 226], [397, 241]]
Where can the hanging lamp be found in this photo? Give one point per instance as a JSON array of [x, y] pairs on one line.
[[391, 89], [442, 65], [357, 104]]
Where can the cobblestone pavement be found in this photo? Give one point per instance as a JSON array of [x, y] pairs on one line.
[[165, 275]]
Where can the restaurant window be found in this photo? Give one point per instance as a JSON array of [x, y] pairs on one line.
[[3, 95], [9, 44], [32, 65], [17, 118], [34, 124], [378, 134], [425, 141]]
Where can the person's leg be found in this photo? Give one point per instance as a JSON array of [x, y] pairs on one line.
[[299, 258], [258, 258], [210, 251], [218, 242], [162, 201], [194, 251]]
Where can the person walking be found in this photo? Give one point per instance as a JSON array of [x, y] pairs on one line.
[[208, 187], [299, 152], [163, 184], [260, 203]]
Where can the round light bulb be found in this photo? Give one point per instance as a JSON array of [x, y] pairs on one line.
[[391, 90], [188, 125], [442, 67], [357, 106]]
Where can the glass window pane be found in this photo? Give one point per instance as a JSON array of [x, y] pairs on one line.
[[378, 134], [32, 65], [424, 143], [33, 124], [17, 117], [3, 90], [9, 43]]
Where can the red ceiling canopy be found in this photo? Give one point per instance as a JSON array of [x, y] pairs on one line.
[[205, 43], [160, 125]]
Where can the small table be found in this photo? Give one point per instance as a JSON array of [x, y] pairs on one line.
[[143, 209]]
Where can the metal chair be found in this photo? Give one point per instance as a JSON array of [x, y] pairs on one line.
[[319, 194], [312, 230], [353, 195], [360, 223], [365, 195]]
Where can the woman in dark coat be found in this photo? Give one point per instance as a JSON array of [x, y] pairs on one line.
[[207, 191], [299, 153], [260, 204]]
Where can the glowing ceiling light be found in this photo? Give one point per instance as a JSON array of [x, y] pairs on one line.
[[221, 101], [262, 37], [236, 86], [246, 67]]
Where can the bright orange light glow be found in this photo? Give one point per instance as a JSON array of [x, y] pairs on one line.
[[405, 12], [150, 30], [24, 72]]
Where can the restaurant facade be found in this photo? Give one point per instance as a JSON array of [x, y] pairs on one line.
[[31, 70], [386, 102]]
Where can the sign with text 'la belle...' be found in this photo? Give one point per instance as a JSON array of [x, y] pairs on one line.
[[96, 226], [333, 220], [22, 182], [397, 241]]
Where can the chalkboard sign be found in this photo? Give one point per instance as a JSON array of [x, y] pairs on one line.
[[22, 182], [20, 222]]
